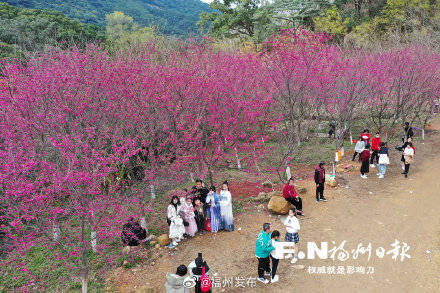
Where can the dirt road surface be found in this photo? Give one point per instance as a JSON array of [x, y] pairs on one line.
[[376, 211]]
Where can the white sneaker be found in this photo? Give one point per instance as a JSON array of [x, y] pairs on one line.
[[377, 174], [381, 176], [372, 166], [177, 240], [263, 280], [289, 255], [274, 279], [294, 260]]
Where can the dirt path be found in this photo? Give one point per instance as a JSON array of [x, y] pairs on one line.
[[373, 210]]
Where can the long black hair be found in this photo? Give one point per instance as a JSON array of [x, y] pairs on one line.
[[178, 201], [227, 184]]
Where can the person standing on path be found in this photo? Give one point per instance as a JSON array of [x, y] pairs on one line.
[[275, 237], [320, 180], [408, 154], [358, 148], [384, 160], [375, 147], [292, 229], [263, 248], [365, 158], [290, 195]]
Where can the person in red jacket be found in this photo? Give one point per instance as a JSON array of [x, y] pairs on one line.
[[365, 158], [366, 136], [290, 194], [375, 147]]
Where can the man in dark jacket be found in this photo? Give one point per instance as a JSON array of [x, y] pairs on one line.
[[320, 180], [199, 191]]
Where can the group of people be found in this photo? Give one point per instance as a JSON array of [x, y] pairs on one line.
[[378, 151], [267, 248], [200, 210]]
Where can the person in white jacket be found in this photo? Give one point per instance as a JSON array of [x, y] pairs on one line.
[[292, 229], [408, 155], [359, 148], [177, 229]]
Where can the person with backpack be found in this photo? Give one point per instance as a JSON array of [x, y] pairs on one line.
[[174, 283], [365, 159], [199, 270]]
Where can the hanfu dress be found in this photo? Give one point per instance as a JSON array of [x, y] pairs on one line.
[[214, 211], [177, 229], [188, 210], [226, 217]]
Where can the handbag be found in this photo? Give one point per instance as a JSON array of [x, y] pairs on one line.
[[383, 159], [208, 225]]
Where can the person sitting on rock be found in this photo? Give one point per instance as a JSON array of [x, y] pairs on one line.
[[133, 233], [175, 282], [290, 194]]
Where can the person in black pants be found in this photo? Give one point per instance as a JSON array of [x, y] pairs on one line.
[[320, 180], [274, 237]]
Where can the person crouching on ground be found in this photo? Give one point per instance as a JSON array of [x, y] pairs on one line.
[[292, 229], [263, 248], [290, 195], [320, 180], [174, 282], [365, 159]]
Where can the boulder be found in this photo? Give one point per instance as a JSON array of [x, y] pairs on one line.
[[163, 240], [278, 205], [275, 194], [267, 184]]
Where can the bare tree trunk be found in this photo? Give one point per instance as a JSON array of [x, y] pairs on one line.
[[84, 277]]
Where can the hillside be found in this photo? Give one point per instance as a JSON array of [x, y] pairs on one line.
[[172, 17], [30, 30]]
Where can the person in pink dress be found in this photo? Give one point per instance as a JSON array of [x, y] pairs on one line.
[[190, 222]]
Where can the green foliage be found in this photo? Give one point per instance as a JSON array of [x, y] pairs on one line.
[[169, 16], [32, 30], [123, 32], [331, 22]]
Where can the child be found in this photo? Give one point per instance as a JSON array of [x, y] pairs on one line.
[[359, 148], [365, 158], [384, 160], [200, 215], [292, 228], [214, 209], [188, 210], [275, 237]]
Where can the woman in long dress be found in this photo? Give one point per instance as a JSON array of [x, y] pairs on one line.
[[226, 217], [177, 229], [212, 199], [188, 210]]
